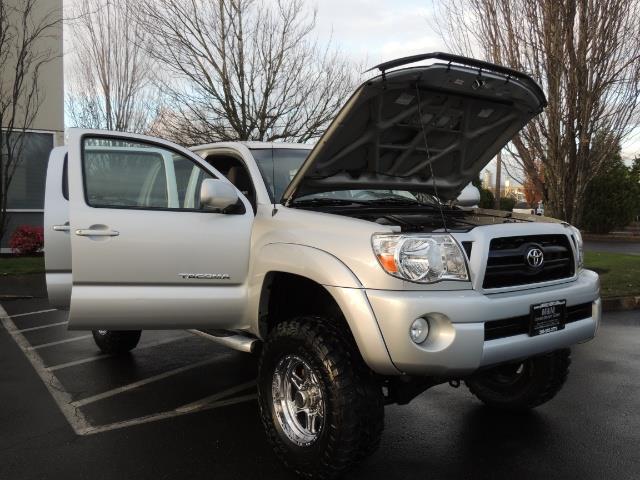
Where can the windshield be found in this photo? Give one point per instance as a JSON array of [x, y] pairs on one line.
[[289, 160], [287, 163]]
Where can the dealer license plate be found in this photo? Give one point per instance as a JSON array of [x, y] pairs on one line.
[[547, 317]]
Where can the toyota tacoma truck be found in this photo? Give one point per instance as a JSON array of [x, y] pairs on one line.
[[357, 270]]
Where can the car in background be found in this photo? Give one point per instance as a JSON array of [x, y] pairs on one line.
[[525, 209]]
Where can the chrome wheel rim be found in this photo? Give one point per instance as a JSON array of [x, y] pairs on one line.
[[298, 401]]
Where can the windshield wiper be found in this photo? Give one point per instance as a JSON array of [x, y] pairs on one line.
[[398, 201], [329, 201]]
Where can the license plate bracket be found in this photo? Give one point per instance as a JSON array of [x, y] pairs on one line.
[[547, 317]]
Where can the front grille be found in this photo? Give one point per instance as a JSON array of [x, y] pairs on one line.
[[507, 264], [509, 327]]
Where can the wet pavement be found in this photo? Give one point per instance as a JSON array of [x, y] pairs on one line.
[[181, 407]]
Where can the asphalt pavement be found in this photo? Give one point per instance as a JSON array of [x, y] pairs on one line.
[[181, 407]]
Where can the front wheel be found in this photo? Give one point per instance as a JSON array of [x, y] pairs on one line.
[[522, 385], [322, 408], [116, 342]]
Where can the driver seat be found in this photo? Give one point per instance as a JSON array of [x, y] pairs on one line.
[[240, 178]]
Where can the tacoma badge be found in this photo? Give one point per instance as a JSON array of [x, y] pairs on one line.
[[206, 276]]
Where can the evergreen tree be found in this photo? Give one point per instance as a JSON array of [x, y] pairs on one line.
[[612, 199]]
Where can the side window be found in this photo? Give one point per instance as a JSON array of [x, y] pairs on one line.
[[122, 174]]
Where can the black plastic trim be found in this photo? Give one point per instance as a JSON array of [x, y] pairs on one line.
[[509, 327]]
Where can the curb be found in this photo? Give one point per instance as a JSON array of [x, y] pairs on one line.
[[617, 304]]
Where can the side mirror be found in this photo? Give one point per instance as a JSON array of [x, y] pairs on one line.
[[469, 197], [217, 194]]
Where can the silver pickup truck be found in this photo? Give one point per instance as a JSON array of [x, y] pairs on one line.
[[358, 270]]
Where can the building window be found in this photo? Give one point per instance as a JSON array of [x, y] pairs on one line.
[[26, 190]]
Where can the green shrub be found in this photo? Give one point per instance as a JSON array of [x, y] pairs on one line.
[[612, 199], [486, 196], [507, 203], [487, 199]]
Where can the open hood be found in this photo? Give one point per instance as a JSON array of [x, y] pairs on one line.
[[399, 127]]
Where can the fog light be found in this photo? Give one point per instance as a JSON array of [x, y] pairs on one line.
[[419, 330]]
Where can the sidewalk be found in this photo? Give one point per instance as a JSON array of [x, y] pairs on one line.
[[612, 246], [615, 237]]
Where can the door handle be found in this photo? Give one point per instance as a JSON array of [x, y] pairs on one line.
[[97, 233], [61, 228]]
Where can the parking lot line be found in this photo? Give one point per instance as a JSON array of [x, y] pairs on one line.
[[99, 356], [5, 315], [59, 342], [204, 402], [178, 411], [105, 355], [31, 329], [145, 381], [63, 399], [72, 411]]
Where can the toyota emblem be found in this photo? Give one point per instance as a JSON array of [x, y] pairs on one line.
[[535, 257]]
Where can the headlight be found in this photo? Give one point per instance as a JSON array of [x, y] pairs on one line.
[[577, 238], [420, 258]]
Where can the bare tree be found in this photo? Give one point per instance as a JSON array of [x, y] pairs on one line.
[[110, 80], [586, 54], [24, 34], [244, 69]]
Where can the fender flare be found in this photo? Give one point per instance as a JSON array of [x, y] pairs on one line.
[[340, 282]]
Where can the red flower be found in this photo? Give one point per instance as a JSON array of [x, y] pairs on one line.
[[27, 240]]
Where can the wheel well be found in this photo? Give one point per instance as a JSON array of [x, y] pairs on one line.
[[286, 295]]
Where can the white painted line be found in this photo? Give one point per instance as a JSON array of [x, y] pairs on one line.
[[140, 383], [106, 355], [59, 342], [31, 329], [5, 315], [78, 362], [165, 415], [203, 402], [73, 415], [163, 341]]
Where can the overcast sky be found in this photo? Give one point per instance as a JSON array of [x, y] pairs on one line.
[[372, 31], [379, 30]]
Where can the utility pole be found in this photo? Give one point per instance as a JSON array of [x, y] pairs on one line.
[[498, 178]]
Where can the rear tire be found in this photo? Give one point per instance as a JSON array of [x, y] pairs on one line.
[[116, 342], [523, 385], [321, 406]]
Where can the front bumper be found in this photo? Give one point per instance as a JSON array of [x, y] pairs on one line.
[[456, 344]]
